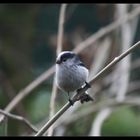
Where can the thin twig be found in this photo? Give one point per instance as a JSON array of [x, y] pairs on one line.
[[19, 118], [23, 93], [59, 49], [96, 77], [61, 28]]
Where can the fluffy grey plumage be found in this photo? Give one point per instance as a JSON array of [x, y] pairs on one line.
[[71, 73]]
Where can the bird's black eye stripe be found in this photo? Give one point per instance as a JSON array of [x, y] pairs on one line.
[[66, 56]]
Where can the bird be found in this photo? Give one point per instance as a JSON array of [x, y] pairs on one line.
[[71, 73]]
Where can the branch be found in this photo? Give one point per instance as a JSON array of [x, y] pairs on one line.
[[19, 118], [23, 93], [61, 28], [59, 49], [82, 91]]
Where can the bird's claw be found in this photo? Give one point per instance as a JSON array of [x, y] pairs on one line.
[[85, 98], [87, 84], [71, 102]]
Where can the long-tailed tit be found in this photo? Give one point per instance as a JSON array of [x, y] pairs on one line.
[[71, 73]]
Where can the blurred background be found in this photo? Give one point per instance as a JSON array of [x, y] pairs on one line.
[[28, 42]]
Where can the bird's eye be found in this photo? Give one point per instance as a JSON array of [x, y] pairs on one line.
[[64, 60]]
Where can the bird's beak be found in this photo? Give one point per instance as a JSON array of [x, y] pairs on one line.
[[58, 61]]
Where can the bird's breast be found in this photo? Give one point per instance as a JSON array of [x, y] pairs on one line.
[[70, 78]]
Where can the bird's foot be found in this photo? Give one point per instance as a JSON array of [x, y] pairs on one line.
[[87, 84], [86, 98], [71, 102]]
